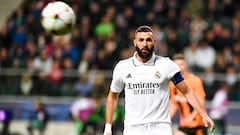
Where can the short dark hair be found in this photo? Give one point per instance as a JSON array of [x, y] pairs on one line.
[[144, 28], [178, 56]]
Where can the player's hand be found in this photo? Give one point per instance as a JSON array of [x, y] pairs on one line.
[[208, 122], [107, 129], [109, 133]]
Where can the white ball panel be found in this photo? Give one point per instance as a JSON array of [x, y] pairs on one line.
[[48, 23], [49, 10], [58, 18], [67, 17], [59, 24]]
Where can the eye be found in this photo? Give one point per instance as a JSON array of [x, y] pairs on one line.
[[141, 39], [149, 39]]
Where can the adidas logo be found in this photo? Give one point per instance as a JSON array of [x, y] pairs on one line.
[[129, 76]]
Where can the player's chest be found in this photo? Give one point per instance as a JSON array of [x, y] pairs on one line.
[[145, 74]]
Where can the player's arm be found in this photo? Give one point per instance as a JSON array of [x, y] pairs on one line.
[[173, 109], [182, 85], [202, 102], [111, 104], [173, 106], [200, 92], [193, 100]]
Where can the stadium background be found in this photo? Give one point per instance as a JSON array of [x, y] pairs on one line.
[[80, 64]]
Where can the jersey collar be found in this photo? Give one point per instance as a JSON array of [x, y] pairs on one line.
[[150, 62]]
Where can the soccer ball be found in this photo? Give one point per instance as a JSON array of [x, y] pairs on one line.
[[58, 18]]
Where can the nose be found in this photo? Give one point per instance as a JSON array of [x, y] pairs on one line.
[[145, 43]]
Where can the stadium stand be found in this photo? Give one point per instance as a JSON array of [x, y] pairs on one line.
[[206, 31]]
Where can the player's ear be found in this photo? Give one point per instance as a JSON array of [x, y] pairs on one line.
[[134, 42], [155, 41]]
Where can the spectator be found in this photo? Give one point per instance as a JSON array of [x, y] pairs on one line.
[[212, 10], [30, 51], [235, 23], [228, 54], [197, 27], [205, 51], [173, 40], [20, 37], [86, 31], [68, 82], [99, 83], [195, 7], [4, 57], [39, 119], [29, 65], [171, 20], [70, 50], [150, 18], [55, 78], [236, 56], [5, 38], [41, 84], [209, 80], [220, 63], [184, 20], [95, 13], [231, 80], [42, 62], [26, 85], [19, 18], [190, 55], [83, 87], [227, 8], [130, 17], [104, 28], [84, 63]]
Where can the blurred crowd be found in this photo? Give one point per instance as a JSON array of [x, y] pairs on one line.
[[206, 31]]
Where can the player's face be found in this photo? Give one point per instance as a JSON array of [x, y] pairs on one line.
[[144, 43]]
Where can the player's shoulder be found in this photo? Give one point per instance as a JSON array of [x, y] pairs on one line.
[[195, 77], [124, 62], [162, 58]]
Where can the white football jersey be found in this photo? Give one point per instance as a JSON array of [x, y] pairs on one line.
[[146, 87]]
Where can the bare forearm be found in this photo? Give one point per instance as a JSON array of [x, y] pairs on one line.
[[193, 100], [197, 104], [173, 110], [111, 105]]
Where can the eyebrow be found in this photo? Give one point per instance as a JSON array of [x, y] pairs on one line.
[[147, 39]]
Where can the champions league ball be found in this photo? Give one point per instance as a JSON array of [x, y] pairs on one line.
[[58, 18]]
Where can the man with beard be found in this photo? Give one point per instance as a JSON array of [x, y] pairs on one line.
[[144, 79]]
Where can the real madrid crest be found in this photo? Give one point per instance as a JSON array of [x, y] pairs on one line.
[[157, 75]]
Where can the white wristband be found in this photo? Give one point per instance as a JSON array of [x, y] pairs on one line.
[[108, 128]]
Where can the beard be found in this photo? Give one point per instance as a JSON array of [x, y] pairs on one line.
[[145, 55]]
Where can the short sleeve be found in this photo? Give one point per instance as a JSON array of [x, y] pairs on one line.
[[117, 84], [172, 69]]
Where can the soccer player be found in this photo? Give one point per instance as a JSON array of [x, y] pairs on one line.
[[145, 79], [190, 120], [219, 107]]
